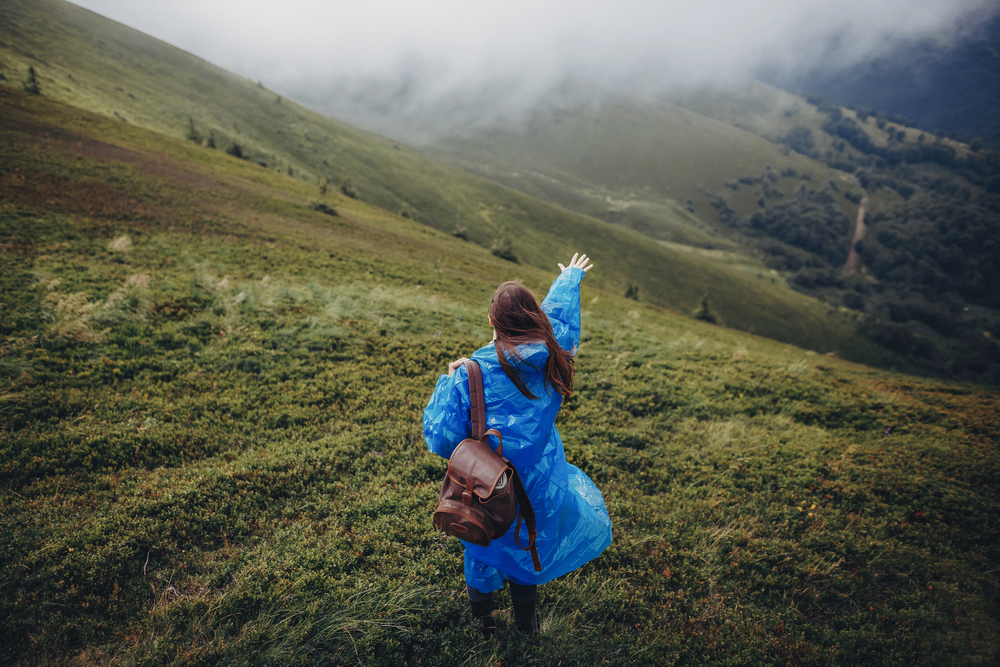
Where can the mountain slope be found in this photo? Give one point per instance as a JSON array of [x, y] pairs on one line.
[[629, 161], [781, 178], [211, 447], [95, 64], [929, 278]]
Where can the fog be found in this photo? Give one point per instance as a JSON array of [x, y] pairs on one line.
[[391, 65]]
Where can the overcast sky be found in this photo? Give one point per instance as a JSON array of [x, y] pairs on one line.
[[412, 55]]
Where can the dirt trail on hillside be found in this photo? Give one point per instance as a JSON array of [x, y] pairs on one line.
[[859, 232]]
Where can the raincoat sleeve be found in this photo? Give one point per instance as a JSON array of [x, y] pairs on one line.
[[562, 305], [446, 417]]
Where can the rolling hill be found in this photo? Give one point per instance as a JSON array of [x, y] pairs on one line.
[[211, 453], [650, 165], [92, 63]]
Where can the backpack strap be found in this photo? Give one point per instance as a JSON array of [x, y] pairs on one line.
[[485, 438], [477, 416], [525, 511], [477, 399]]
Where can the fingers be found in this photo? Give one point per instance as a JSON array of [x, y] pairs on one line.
[[578, 262], [453, 366]]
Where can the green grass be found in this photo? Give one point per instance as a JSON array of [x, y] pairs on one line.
[[632, 162], [95, 64], [761, 109], [211, 453]]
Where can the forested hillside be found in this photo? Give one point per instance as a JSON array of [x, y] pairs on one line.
[[650, 165], [931, 248]]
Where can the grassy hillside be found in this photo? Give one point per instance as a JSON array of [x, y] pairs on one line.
[[96, 64], [632, 162], [210, 445]]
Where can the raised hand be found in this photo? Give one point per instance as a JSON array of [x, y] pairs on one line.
[[578, 263]]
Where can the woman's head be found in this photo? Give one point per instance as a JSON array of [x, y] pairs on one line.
[[518, 319]]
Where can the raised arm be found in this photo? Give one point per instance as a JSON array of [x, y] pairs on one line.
[[562, 304]]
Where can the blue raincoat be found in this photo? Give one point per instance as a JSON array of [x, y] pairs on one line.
[[571, 518]]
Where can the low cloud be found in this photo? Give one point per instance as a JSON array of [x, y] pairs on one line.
[[390, 61]]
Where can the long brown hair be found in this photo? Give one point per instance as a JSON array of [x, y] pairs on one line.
[[518, 319]]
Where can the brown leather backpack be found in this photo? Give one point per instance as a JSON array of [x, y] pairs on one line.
[[482, 495]]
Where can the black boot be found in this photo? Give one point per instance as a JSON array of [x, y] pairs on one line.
[[484, 612], [525, 617]]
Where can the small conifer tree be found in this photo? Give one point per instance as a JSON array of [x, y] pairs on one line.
[[704, 313], [211, 139], [193, 133], [503, 247], [31, 85], [348, 188]]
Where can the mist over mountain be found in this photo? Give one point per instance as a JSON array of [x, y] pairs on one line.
[[952, 85], [412, 71]]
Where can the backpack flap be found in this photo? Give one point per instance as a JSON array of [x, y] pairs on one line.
[[475, 462]]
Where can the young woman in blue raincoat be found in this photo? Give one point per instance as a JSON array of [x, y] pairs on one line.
[[527, 370]]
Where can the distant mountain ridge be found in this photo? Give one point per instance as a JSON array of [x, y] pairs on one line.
[[953, 87]]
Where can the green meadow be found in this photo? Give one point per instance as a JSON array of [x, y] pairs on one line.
[[211, 450]]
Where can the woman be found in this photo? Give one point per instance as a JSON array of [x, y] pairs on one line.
[[527, 370]]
